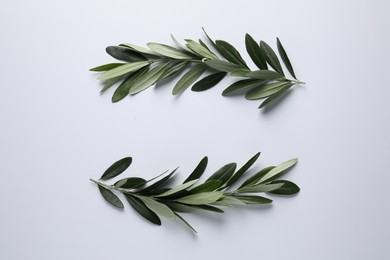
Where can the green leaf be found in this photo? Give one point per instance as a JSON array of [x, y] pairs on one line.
[[105, 67], [130, 183], [168, 51], [110, 197], [230, 53], [139, 49], [266, 90], [189, 78], [181, 46], [201, 198], [260, 188], [208, 208], [208, 81], [179, 207], [178, 188], [285, 58], [278, 170], [228, 201], [123, 53], [123, 90], [242, 170], [276, 95], [198, 171], [172, 69], [253, 199], [123, 69], [256, 177], [243, 85], [111, 82], [148, 79], [207, 186], [201, 50], [222, 65], [141, 208], [185, 222], [255, 52], [288, 188], [224, 173], [271, 57], [116, 168], [264, 74], [157, 207], [157, 184], [211, 40]]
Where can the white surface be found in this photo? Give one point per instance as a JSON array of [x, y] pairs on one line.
[[57, 132]]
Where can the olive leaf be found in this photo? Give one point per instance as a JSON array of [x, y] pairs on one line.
[[116, 168]]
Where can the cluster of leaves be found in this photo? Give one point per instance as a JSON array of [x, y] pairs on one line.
[[152, 198], [144, 67]]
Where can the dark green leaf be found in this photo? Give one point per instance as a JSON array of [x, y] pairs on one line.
[[141, 208], [260, 188], [271, 57], [285, 58], [250, 199], [123, 69], [208, 208], [185, 222], [168, 51], [173, 69], [243, 85], [125, 54], [275, 96], [130, 183], [264, 74], [256, 177], [139, 49], [198, 171], [208, 81], [222, 65], [123, 90], [111, 82], [210, 185], [266, 90], [148, 79], [116, 168], [105, 67], [201, 198], [157, 184], [189, 78], [230, 53], [224, 173], [110, 197], [288, 188], [278, 170], [178, 188], [179, 207], [255, 52], [211, 40], [242, 170]]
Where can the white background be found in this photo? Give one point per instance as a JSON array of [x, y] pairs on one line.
[[57, 131]]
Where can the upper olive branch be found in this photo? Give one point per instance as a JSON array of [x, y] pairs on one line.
[[153, 199], [144, 67]]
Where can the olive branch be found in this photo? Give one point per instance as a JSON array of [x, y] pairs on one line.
[[152, 198], [144, 67]]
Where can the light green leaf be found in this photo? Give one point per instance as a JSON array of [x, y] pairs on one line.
[[178, 188], [172, 69], [110, 197], [201, 50], [260, 188], [201, 198], [123, 69], [276, 95], [206, 186], [278, 170], [111, 82], [157, 207], [255, 52], [189, 78], [123, 90], [208, 81], [242, 85], [168, 51], [139, 49], [266, 90], [105, 67], [285, 58], [181, 46], [228, 201], [264, 74], [222, 65], [257, 176], [250, 199], [116, 168], [148, 79], [271, 57]]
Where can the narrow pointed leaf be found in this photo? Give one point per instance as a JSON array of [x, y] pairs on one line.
[[123, 89], [242, 170], [185, 222], [123, 69], [288, 188], [110, 197], [139, 49], [266, 90], [148, 79], [157, 184], [189, 78], [207, 186], [116, 168], [275, 96], [228, 201], [179, 207], [255, 52], [251, 199], [198, 171], [111, 82], [204, 45], [123, 53], [224, 173], [144, 211], [260, 188], [105, 67], [230, 53], [201, 50], [130, 183], [256, 177], [157, 207], [178, 188], [208, 208], [172, 70], [242, 85], [222, 65], [278, 170], [168, 51], [208, 81], [211, 40], [271, 57], [264, 74], [285, 58], [201, 198], [181, 46]]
